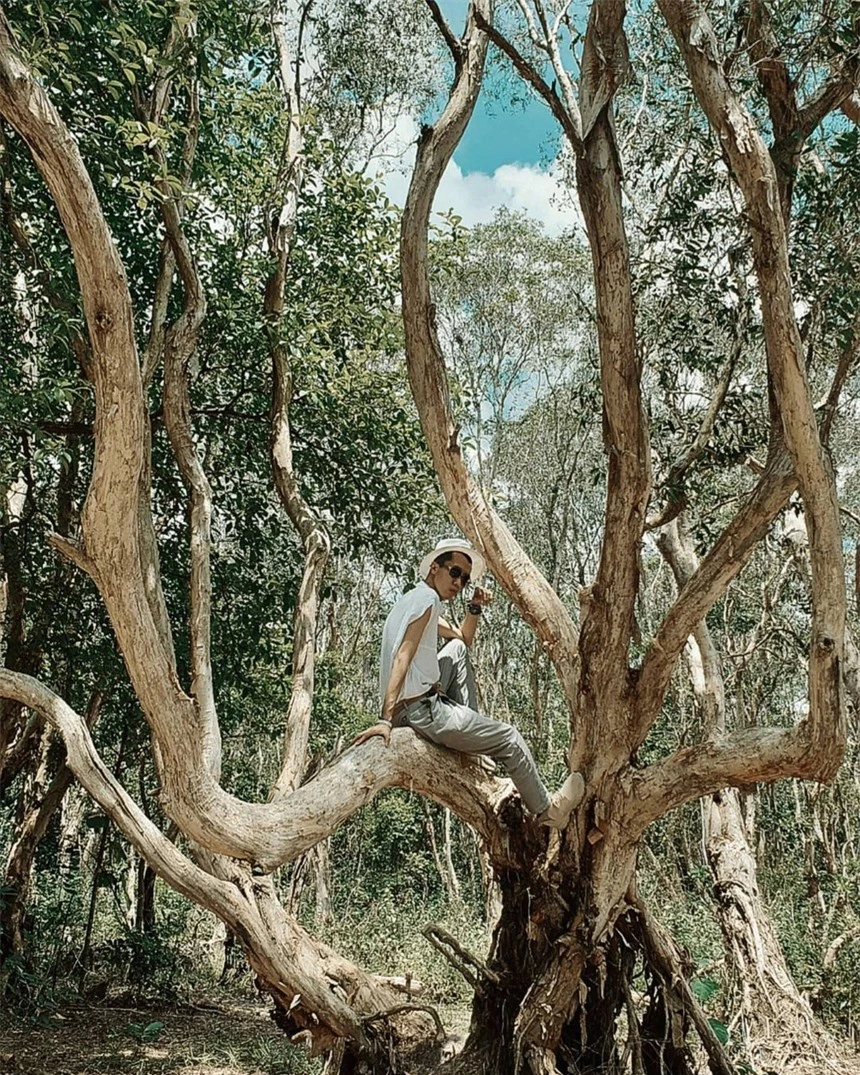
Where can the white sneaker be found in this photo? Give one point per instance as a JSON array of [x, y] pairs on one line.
[[562, 803]]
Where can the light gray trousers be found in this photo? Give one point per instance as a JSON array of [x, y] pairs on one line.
[[453, 721]]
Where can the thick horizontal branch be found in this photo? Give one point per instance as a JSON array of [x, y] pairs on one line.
[[744, 757], [274, 833]]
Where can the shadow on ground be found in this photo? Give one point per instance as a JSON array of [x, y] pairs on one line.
[[236, 1038]]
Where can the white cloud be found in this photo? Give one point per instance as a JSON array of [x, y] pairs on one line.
[[476, 196]]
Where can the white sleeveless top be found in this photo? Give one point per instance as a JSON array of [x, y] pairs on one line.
[[424, 670]]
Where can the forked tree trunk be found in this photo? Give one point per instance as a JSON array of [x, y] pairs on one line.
[[630, 1004]]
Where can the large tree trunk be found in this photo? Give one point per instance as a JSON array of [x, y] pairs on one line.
[[773, 1018]]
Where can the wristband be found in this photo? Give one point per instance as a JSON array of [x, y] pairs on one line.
[[474, 609]]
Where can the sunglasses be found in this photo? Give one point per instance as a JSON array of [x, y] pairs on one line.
[[458, 573]]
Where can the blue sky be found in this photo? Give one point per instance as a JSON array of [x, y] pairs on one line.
[[500, 133], [504, 160]]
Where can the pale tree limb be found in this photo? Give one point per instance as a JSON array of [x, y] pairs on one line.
[[837, 944], [608, 615], [399, 1008], [281, 953], [845, 365], [539, 605], [728, 556], [550, 38], [154, 350], [754, 172], [110, 521], [739, 758], [271, 834], [676, 545], [18, 878], [474, 970], [314, 537], [181, 341], [529, 16]]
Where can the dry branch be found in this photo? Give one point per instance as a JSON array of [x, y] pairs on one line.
[[179, 353]]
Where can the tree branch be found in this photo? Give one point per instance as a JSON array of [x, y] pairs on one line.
[[111, 519], [530, 591], [664, 956], [570, 122], [740, 758], [678, 470], [837, 92], [312, 533], [271, 834], [722, 564], [180, 349], [771, 70], [277, 949], [158, 322], [608, 615], [451, 40], [755, 175], [846, 363]]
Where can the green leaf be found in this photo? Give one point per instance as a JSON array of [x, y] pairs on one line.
[[721, 1031], [704, 988]]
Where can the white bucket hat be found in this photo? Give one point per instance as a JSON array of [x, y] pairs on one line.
[[479, 564]]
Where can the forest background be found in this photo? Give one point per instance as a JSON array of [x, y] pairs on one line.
[[241, 157]]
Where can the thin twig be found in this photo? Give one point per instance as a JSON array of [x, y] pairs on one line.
[[459, 957], [451, 40], [441, 1035]]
